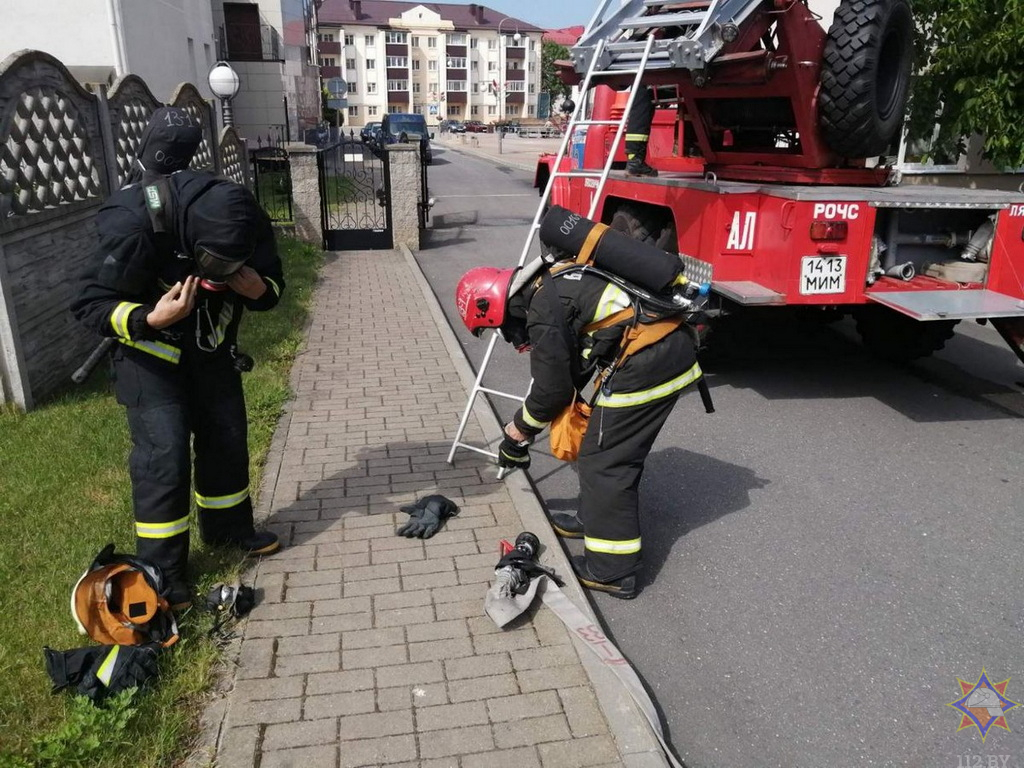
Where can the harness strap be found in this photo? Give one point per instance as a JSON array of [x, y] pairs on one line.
[[586, 254], [613, 319]]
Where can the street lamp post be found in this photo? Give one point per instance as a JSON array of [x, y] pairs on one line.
[[224, 83], [502, 74]]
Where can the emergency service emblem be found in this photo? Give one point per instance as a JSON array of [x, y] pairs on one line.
[[983, 705]]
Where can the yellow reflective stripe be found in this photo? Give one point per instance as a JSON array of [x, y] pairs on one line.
[[107, 667], [275, 286], [610, 547], [161, 530], [627, 399], [226, 313], [119, 318], [637, 136], [613, 300], [222, 502], [533, 422], [156, 348]]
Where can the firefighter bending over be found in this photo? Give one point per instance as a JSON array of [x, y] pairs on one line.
[[552, 317], [180, 257]]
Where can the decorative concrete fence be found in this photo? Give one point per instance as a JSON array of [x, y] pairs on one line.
[[63, 150]]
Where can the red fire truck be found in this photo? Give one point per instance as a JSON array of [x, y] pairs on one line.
[[763, 138]]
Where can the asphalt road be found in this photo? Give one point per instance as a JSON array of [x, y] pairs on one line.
[[826, 554]]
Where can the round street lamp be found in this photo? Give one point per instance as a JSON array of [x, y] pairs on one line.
[[224, 83], [501, 66]]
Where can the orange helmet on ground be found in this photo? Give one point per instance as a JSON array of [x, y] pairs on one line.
[[482, 297]]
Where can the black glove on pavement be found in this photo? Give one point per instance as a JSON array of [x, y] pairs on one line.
[[427, 514], [513, 455]]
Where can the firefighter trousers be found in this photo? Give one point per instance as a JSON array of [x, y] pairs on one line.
[[610, 465], [638, 124], [174, 410]]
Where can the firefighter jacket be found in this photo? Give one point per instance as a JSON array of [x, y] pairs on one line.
[[565, 355], [135, 266]]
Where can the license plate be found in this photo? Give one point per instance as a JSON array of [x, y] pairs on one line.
[[822, 274]]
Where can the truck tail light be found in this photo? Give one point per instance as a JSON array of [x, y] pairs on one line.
[[829, 230]]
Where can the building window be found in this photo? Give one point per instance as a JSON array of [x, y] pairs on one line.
[[492, 44], [371, 87], [474, 111], [515, 85], [353, 86], [492, 110], [325, 37], [371, 64], [353, 111], [350, 39], [531, 110], [392, 36], [415, 87], [472, 64], [533, 66], [417, 110], [472, 42], [533, 88], [394, 109], [415, 65], [350, 63], [492, 66], [328, 61], [457, 63], [432, 88], [398, 85], [396, 61], [457, 39], [476, 87], [432, 65], [415, 41], [457, 85], [514, 65], [370, 40], [453, 110], [431, 42], [513, 110], [371, 111]]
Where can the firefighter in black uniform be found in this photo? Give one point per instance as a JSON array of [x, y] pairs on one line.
[[548, 317], [180, 257]]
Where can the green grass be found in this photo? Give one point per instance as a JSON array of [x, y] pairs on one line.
[[64, 493], [274, 190]]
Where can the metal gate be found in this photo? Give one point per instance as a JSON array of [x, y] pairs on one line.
[[355, 195], [272, 181]]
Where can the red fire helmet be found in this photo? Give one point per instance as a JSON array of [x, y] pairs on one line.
[[481, 297]]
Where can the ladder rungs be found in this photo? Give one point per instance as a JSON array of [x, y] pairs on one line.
[[596, 122], [704, 4], [615, 72], [502, 394], [664, 20]]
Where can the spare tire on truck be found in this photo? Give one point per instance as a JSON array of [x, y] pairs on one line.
[[865, 76]]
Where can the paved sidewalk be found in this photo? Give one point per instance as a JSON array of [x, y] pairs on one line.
[[516, 151], [371, 649]]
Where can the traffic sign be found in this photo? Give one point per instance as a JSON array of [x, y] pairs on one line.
[[337, 87]]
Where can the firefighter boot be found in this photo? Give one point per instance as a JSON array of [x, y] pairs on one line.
[[636, 156], [567, 526], [624, 588]]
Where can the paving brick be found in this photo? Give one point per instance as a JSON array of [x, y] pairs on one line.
[[289, 735], [405, 616], [268, 688], [339, 682], [460, 610], [273, 565], [437, 718], [433, 565], [237, 746], [550, 629], [431, 580], [326, 756], [533, 730], [374, 657], [409, 674], [458, 594], [523, 637], [372, 638], [280, 611], [313, 579], [449, 649], [400, 556], [479, 688], [456, 741], [375, 725], [578, 753], [540, 658], [384, 751], [479, 576], [582, 711], [438, 630], [269, 711], [552, 678], [407, 599], [338, 704], [373, 587], [525, 757], [344, 622], [323, 643], [255, 658], [524, 706], [342, 605], [319, 592], [307, 662], [477, 666]]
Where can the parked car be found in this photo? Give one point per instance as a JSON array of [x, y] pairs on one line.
[[401, 127], [475, 126], [368, 134], [456, 126]]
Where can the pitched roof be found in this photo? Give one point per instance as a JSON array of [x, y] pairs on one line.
[[567, 36], [375, 13]]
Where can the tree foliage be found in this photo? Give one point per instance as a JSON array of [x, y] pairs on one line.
[[970, 59], [550, 53]]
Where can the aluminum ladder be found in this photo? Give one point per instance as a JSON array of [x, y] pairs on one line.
[[576, 121], [699, 31]]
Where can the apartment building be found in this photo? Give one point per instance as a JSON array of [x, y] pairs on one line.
[[441, 60]]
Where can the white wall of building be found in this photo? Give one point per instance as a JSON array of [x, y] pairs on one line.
[[169, 42], [78, 32]]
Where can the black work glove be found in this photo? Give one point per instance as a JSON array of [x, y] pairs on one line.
[[427, 514], [119, 667], [513, 454], [69, 667]]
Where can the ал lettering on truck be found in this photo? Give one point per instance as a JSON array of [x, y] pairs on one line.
[[766, 134]]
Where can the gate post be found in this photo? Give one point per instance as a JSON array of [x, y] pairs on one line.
[[305, 192], [404, 169]]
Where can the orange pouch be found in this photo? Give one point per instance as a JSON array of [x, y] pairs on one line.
[[567, 431]]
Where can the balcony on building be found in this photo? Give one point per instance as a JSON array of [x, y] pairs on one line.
[[328, 49], [515, 97], [329, 72], [515, 74], [243, 37], [515, 52], [456, 51]]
